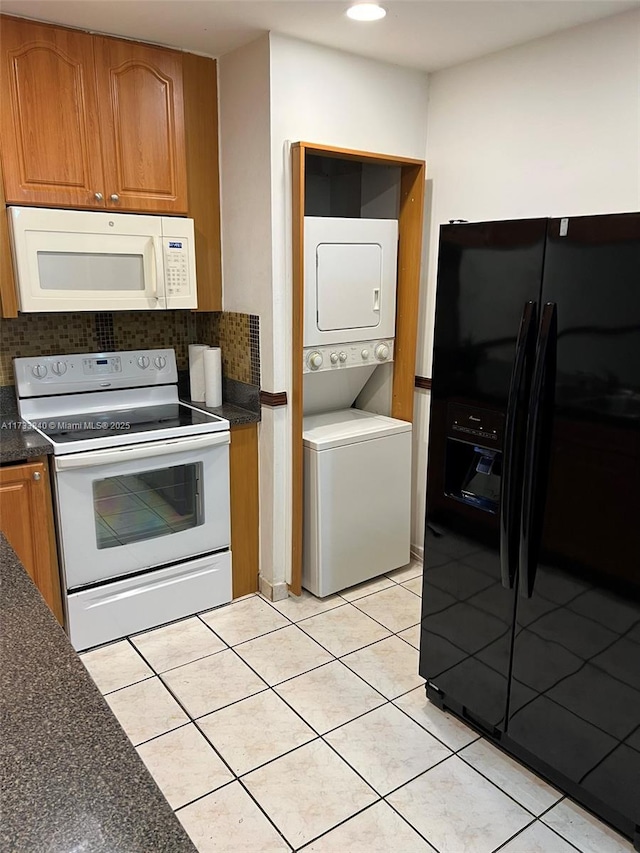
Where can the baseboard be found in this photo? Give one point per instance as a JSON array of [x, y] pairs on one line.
[[274, 592], [418, 552]]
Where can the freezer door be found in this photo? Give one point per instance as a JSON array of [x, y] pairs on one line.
[[489, 278], [575, 695]]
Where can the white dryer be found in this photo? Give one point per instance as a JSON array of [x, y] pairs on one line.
[[357, 498], [350, 268]]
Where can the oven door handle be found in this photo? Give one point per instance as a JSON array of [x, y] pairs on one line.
[[140, 451]]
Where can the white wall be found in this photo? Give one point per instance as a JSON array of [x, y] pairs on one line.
[[245, 186], [546, 129], [292, 91], [328, 97]]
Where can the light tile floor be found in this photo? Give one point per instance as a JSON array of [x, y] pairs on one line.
[[303, 725]]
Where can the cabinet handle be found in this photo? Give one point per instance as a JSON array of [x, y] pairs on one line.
[[114, 197], [37, 476], [98, 196]]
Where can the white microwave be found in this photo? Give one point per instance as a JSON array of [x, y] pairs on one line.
[[77, 260]]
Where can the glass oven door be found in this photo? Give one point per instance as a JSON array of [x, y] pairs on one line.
[[130, 509]]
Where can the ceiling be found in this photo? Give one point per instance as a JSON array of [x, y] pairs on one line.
[[425, 34]]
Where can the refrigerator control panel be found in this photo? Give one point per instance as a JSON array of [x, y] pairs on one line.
[[478, 425]]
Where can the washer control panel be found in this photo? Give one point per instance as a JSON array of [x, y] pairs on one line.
[[343, 356], [65, 374]]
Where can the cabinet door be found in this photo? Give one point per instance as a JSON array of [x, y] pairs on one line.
[[26, 519], [142, 126], [48, 116]]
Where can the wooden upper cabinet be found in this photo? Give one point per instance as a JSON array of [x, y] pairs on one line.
[[89, 121], [48, 116], [141, 126]]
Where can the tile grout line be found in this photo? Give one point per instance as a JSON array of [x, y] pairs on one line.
[[387, 701]]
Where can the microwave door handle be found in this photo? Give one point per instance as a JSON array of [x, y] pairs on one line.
[[158, 273]]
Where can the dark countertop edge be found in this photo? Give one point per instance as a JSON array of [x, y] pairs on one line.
[[19, 443], [70, 777]]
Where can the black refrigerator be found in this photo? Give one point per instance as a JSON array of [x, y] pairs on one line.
[[531, 597]]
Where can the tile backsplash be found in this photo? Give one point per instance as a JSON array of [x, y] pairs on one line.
[[50, 334]]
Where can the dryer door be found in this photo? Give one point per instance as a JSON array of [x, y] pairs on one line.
[[348, 286], [350, 279]]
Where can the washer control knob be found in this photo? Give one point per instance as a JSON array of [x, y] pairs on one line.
[[382, 352], [59, 368], [143, 361], [39, 370], [160, 362], [334, 357], [365, 354], [343, 356], [315, 360]]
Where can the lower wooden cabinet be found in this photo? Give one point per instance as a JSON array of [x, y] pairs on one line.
[[243, 474], [26, 519]]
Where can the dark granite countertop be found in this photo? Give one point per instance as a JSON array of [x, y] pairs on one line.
[[18, 444], [236, 415], [70, 779], [17, 440], [241, 401]]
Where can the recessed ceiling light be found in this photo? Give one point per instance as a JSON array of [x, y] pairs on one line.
[[366, 12]]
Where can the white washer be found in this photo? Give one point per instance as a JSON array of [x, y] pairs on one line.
[[357, 498]]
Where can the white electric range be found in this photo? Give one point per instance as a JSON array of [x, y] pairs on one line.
[[141, 484]]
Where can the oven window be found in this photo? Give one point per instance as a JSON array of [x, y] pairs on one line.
[[148, 504]]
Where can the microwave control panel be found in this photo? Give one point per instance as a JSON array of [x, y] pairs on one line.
[[176, 266]]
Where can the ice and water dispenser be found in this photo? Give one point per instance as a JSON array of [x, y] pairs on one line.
[[473, 456]]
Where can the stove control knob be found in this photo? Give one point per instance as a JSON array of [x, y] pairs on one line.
[[59, 368], [365, 354], [315, 360], [39, 371], [343, 356], [382, 352], [160, 362], [143, 361], [334, 357]]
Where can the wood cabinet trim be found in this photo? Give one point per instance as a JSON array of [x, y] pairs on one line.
[[410, 226], [8, 295], [244, 498], [355, 154], [273, 399], [199, 79], [297, 449], [423, 382]]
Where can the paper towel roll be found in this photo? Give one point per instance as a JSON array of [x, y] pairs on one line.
[[196, 371], [213, 376]]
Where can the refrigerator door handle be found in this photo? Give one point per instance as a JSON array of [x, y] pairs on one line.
[[514, 445], [537, 453]]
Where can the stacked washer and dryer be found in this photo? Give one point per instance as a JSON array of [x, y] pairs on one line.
[[357, 464]]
